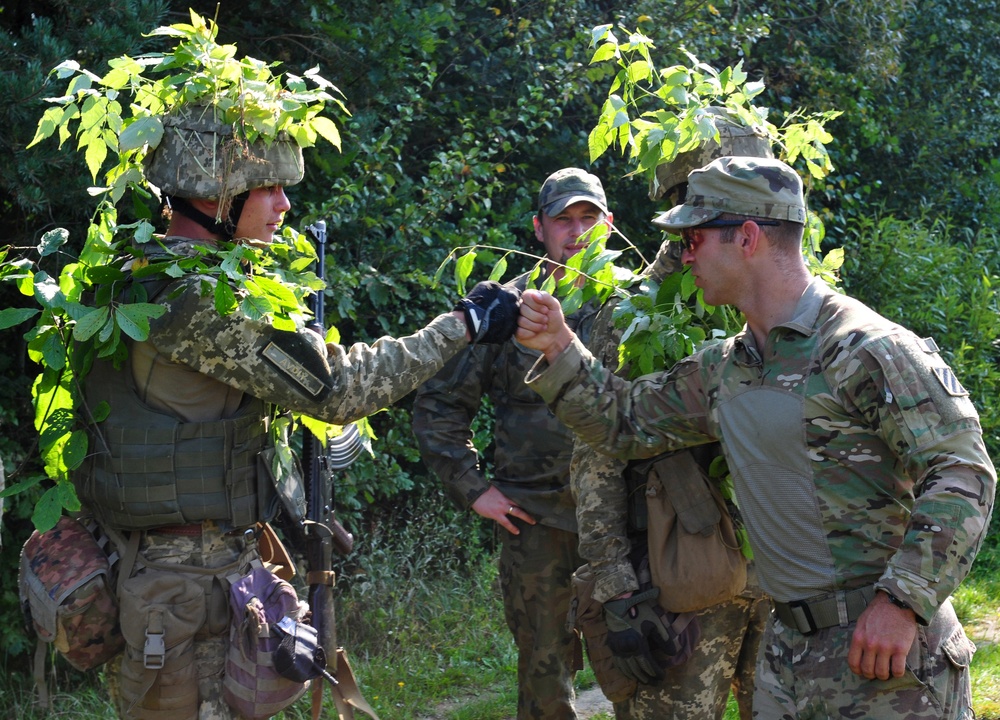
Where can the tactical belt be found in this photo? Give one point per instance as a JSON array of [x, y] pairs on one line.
[[839, 608]]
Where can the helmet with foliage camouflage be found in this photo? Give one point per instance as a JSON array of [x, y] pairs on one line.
[[734, 139], [199, 157]]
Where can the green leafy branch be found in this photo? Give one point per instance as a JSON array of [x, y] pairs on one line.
[[590, 273]]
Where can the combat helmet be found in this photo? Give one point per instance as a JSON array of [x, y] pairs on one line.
[[200, 156], [734, 139]]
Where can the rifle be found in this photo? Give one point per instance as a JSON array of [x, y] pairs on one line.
[[322, 532]]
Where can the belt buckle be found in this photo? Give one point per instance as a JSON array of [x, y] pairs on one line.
[[806, 614]]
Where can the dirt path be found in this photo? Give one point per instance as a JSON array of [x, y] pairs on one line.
[[591, 702]]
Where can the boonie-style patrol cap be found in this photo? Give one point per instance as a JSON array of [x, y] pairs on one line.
[[567, 186], [759, 187]]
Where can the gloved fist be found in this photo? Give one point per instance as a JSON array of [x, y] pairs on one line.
[[491, 311], [644, 638]]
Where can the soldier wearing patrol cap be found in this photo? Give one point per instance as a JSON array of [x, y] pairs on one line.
[[611, 539], [857, 457], [182, 471], [528, 495]]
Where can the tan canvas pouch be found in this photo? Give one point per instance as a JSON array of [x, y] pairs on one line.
[[587, 615], [161, 612], [694, 555]]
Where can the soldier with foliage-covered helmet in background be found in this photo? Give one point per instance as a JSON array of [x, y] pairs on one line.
[[182, 467], [187, 463], [611, 506]]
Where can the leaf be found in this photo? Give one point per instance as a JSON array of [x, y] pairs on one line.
[[52, 241], [25, 484], [463, 268], [255, 307], [133, 318], [225, 298], [50, 120], [90, 323], [75, 450], [48, 509], [499, 269], [140, 132], [328, 129], [9, 317]]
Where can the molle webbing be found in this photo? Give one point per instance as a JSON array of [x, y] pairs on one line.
[[157, 470]]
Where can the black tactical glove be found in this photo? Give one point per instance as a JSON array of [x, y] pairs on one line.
[[644, 638], [491, 311]]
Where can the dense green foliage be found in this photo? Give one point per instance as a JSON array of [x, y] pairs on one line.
[[460, 108]]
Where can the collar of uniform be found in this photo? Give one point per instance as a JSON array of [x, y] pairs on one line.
[[806, 314], [803, 321]]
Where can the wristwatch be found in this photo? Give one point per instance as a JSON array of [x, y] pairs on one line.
[[897, 602]]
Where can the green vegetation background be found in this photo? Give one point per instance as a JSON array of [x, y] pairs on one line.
[[460, 108]]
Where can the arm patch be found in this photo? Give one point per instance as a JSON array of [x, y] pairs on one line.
[[292, 368]]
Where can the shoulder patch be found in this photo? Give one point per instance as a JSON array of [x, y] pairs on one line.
[[293, 369], [949, 382], [928, 345]]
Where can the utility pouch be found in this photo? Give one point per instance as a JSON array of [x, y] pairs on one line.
[[587, 615], [66, 592], [161, 613], [695, 557], [259, 601]]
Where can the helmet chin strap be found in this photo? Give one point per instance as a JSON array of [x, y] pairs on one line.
[[225, 227]]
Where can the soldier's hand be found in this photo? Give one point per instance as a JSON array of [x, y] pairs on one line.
[[494, 505], [541, 325], [882, 639], [490, 311], [645, 639]]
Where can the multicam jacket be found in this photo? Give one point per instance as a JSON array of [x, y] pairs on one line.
[[532, 448], [857, 456]]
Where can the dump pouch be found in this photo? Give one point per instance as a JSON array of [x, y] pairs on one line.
[[259, 601], [587, 615]]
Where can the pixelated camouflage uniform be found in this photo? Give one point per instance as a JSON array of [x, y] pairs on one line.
[[199, 366], [532, 456], [725, 656], [870, 472]]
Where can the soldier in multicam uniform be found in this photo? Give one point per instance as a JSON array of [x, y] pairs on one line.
[[857, 456], [725, 655], [529, 495], [180, 469]]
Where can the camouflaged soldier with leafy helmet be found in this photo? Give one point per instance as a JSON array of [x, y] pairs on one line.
[[528, 495], [181, 468], [725, 655], [857, 455]]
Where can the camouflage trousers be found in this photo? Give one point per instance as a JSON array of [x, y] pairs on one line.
[[536, 568], [724, 658], [807, 677], [211, 549]]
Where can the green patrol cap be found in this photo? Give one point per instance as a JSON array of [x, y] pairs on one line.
[[760, 187], [567, 186]]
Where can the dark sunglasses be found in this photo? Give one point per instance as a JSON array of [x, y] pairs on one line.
[[686, 240]]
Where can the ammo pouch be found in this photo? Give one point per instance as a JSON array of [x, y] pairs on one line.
[[587, 615], [695, 557], [161, 613]]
